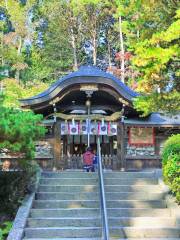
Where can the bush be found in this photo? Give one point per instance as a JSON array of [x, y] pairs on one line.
[[4, 229], [13, 187], [19, 130], [171, 164]]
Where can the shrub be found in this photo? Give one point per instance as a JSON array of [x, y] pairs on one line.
[[13, 187], [171, 164], [4, 229], [19, 130]]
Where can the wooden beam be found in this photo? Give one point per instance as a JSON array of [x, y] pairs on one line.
[[63, 107]]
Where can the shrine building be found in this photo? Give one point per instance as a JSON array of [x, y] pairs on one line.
[[88, 104]]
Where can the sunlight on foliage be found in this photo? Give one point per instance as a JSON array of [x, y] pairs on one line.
[[171, 164], [19, 130]]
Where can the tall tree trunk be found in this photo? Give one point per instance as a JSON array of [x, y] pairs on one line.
[[17, 75], [109, 53], [2, 46], [6, 3], [122, 50], [138, 34], [20, 46], [74, 50], [94, 49], [1, 87]]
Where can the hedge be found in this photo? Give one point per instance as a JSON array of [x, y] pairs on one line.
[[13, 187], [171, 164]]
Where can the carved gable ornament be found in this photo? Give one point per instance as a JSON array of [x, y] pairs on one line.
[[89, 87], [124, 101]]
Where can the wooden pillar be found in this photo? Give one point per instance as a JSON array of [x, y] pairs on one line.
[[121, 146], [57, 145], [111, 145]]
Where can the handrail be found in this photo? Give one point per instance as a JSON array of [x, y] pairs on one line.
[[105, 228]]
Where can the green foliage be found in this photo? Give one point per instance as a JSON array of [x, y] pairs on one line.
[[4, 229], [15, 185], [13, 40], [165, 102], [171, 164], [19, 130], [156, 59], [13, 91], [60, 30]]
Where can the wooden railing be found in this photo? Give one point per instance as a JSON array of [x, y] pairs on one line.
[[75, 161]]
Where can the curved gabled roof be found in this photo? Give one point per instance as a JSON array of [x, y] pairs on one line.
[[85, 74], [155, 119]]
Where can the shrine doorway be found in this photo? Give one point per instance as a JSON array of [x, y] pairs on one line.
[[78, 144], [74, 147]]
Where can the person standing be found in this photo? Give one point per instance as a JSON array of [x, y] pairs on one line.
[[88, 157], [95, 161]]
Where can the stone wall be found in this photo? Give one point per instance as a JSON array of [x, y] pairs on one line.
[[44, 149], [140, 150]]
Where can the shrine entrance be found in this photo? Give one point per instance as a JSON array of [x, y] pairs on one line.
[[90, 103], [76, 145], [81, 107], [74, 139]]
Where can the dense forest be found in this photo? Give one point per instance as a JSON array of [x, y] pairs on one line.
[[136, 40]]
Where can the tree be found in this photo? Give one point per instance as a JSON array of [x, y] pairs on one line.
[[59, 26], [93, 15], [19, 130], [12, 91], [17, 14], [157, 61]]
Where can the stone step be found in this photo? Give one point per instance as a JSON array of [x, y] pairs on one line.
[[67, 196], [138, 212], [95, 196], [63, 238], [130, 181], [132, 188], [94, 188], [96, 222], [63, 232], [121, 232], [69, 212], [100, 238], [69, 181], [145, 232], [136, 204], [113, 174], [64, 222], [72, 174], [94, 181], [95, 212], [142, 222], [69, 174], [95, 204], [65, 204], [68, 188]]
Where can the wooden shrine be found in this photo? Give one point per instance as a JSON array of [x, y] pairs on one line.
[[88, 104]]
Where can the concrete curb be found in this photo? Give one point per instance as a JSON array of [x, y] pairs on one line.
[[17, 230]]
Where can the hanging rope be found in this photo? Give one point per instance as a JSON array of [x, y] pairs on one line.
[[95, 117]]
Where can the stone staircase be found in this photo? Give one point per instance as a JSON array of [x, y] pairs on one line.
[[137, 208], [67, 207]]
